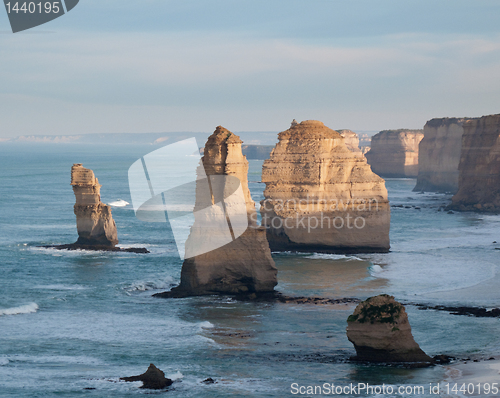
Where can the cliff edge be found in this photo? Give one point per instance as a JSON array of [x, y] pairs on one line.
[[394, 153], [479, 168]]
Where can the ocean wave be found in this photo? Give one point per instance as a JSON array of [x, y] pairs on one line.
[[175, 376], [119, 203], [60, 287], [150, 285], [23, 309], [375, 269], [4, 361], [206, 325], [326, 256]]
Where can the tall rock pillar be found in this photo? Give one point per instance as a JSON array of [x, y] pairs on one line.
[[94, 222]]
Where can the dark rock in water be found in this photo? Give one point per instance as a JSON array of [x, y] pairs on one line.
[[380, 332], [450, 212], [153, 379], [442, 359], [209, 381], [74, 246]]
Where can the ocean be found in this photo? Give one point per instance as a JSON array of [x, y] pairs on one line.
[[73, 323]]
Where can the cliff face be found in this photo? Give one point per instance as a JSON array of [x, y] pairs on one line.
[[320, 196], [394, 153], [94, 222], [439, 155], [479, 168], [351, 140], [224, 205], [380, 332]]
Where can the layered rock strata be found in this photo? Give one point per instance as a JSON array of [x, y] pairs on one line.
[[351, 140], [479, 168], [94, 222], [321, 197], [394, 153], [380, 332], [439, 155], [243, 266]]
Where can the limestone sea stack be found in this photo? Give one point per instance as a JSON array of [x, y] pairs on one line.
[[380, 332], [321, 197], [479, 168], [394, 153], [94, 222], [351, 140], [439, 155], [243, 266]]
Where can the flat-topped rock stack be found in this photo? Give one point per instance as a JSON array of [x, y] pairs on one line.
[[243, 266], [479, 168], [380, 332], [322, 197], [439, 155], [94, 221], [394, 153]]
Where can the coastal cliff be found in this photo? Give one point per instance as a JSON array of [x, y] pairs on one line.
[[94, 222], [243, 266], [479, 168], [394, 153], [322, 197], [439, 155]]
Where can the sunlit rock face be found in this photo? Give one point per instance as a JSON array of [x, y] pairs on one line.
[[225, 211], [439, 155], [394, 153], [479, 168], [322, 197], [380, 332], [351, 140], [94, 222]]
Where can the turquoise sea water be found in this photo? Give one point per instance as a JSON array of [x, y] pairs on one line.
[[73, 323]]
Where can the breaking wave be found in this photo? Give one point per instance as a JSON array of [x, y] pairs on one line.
[[23, 309]]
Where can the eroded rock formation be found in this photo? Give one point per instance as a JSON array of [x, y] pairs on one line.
[[479, 168], [243, 266], [394, 153], [380, 332], [351, 140], [439, 155], [94, 222], [322, 197]]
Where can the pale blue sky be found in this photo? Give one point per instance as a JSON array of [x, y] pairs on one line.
[[160, 65]]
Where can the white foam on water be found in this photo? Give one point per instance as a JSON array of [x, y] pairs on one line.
[[143, 286], [23, 309], [175, 376], [375, 270], [326, 256], [119, 203], [4, 361], [60, 287], [206, 325]]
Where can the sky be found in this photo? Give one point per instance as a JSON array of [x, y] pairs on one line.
[[123, 66]]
